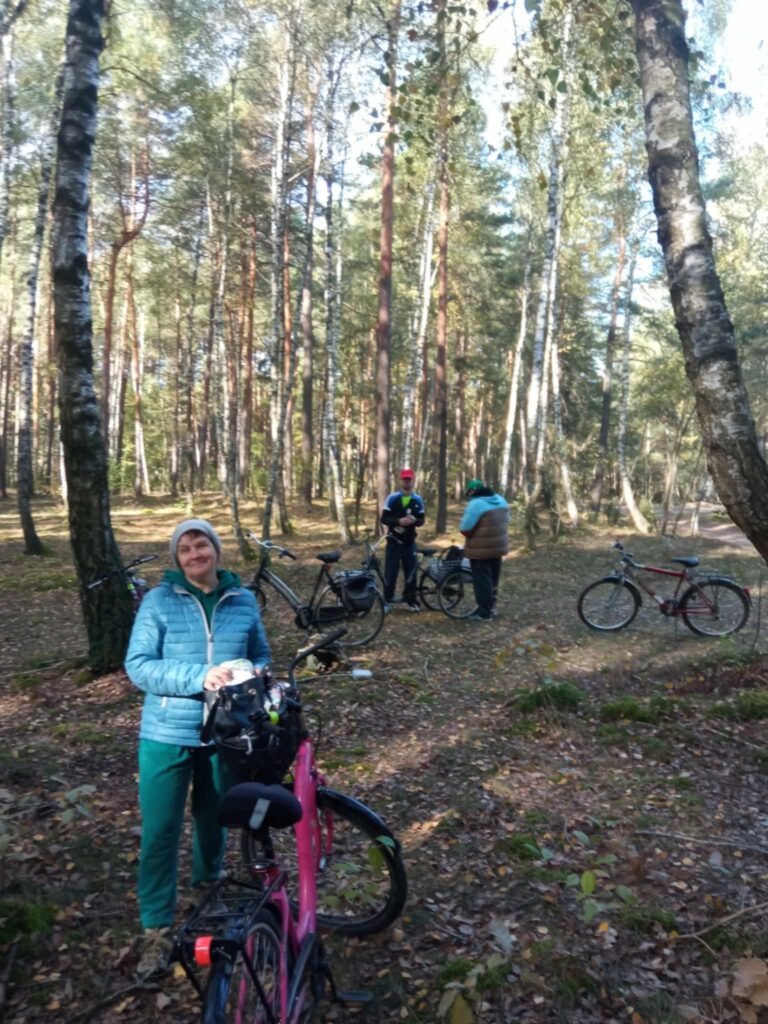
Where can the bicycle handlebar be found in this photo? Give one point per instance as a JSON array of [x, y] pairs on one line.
[[123, 570], [268, 545]]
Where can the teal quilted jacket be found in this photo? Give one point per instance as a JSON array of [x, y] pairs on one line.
[[171, 649]]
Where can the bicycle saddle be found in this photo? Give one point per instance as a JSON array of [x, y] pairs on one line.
[[426, 551], [329, 556], [252, 805], [689, 560]]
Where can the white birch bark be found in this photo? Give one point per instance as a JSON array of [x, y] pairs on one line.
[[628, 495], [735, 462], [514, 378]]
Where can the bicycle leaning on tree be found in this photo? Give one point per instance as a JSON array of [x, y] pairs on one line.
[[709, 604], [346, 597], [136, 586], [253, 949]]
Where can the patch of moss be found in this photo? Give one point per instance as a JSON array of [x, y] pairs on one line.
[[23, 919], [629, 709], [494, 977], [751, 706], [519, 846], [454, 970], [548, 696], [647, 918]]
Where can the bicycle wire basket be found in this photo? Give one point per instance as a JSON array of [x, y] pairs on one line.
[[451, 559]]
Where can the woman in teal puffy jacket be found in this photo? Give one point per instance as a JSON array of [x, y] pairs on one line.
[[199, 617]]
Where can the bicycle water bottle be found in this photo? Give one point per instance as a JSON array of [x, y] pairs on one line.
[[361, 673]]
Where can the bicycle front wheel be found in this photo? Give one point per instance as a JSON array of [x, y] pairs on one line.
[[361, 880], [456, 594], [608, 605], [428, 592], [714, 608], [231, 995], [261, 597], [362, 627]]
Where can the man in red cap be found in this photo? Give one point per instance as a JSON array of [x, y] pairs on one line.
[[402, 514]]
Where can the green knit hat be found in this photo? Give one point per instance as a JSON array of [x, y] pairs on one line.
[[472, 486]]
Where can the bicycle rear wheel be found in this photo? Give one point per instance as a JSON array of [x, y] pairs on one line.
[[714, 608], [330, 612], [608, 605], [231, 995], [361, 880], [456, 594]]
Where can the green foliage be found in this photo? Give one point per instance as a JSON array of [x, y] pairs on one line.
[[454, 970], [22, 919], [519, 846]]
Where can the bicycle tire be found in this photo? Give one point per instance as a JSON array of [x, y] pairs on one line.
[[428, 592], [362, 627], [456, 594], [231, 996], [362, 884], [611, 612], [728, 613]]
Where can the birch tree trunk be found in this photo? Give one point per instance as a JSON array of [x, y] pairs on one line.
[[596, 497], [735, 462], [106, 610], [25, 478], [627, 493], [384, 315], [560, 443], [514, 379]]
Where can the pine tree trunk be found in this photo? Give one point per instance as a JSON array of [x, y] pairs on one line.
[[441, 382], [25, 473], [418, 332], [384, 315], [735, 462], [332, 459], [106, 610], [307, 330]]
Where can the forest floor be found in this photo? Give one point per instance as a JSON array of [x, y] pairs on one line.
[[582, 815]]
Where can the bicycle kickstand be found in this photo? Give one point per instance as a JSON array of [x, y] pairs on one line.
[[347, 998]]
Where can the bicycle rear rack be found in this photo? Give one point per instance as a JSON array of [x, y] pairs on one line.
[[226, 915]]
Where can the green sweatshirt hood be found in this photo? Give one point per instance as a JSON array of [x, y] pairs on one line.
[[227, 579]]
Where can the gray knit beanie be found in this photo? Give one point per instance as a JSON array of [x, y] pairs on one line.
[[201, 526]]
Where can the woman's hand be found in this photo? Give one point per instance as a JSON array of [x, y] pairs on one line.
[[217, 677]]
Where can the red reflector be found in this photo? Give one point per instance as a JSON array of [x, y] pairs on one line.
[[203, 950], [747, 591]]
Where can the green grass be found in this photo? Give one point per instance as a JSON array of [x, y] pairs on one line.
[[519, 846], [454, 970], [647, 918]]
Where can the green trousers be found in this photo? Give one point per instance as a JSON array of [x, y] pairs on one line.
[[165, 772]]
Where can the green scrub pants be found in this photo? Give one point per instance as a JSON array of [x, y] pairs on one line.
[[165, 772]]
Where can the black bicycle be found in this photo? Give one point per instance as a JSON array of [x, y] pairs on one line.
[[432, 566], [137, 586], [344, 598]]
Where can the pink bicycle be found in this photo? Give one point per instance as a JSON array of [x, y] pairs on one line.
[[709, 605], [257, 936]]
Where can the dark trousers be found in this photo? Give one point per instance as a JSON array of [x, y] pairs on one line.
[[485, 579], [400, 554]]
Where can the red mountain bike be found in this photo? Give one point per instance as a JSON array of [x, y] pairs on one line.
[[709, 605]]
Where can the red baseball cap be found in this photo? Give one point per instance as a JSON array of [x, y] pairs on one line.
[[407, 474]]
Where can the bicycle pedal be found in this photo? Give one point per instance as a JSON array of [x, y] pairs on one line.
[[355, 998]]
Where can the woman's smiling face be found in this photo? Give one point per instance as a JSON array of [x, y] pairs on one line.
[[197, 559]]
